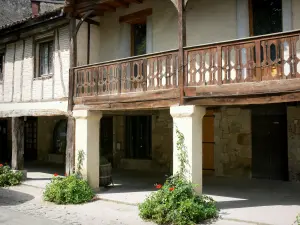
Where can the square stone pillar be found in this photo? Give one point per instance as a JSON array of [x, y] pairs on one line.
[[87, 140], [188, 120]]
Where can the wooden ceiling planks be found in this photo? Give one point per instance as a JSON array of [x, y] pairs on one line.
[[80, 7]]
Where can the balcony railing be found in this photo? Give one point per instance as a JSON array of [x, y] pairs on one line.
[[131, 75], [258, 65], [265, 58]]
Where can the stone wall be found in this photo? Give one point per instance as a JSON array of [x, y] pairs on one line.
[[233, 153], [293, 123], [162, 146]]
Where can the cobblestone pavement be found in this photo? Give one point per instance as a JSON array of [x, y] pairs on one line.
[[28, 200], [25, 205]]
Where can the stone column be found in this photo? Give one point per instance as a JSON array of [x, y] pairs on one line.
[[17, 161], [188, 120], [87, 140]]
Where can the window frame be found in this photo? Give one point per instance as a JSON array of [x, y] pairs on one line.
[[2, 57], [38, 43]]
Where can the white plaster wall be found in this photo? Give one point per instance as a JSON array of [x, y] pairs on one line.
[[210, 21], [95, 44], [82, 42], [207, 21], [19, 84], [296, 14]]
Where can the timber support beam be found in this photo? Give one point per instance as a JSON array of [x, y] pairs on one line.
[[17, 161]]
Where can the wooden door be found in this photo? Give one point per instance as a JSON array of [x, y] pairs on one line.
[[4, 154], [106, 138], [269, 147], [30, 139], [208, 143]]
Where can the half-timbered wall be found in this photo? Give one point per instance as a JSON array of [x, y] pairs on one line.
[[20, 84]]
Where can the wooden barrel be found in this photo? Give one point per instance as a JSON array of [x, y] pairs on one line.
[[105, 175]]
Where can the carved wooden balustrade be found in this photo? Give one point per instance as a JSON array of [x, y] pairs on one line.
[[256, 65], [135, 75]]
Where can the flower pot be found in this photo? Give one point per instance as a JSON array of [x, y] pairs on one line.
[[105, 175]]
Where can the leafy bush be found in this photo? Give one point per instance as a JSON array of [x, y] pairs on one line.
[[68, 190], [297, 222], [8, 177], [176, 202]]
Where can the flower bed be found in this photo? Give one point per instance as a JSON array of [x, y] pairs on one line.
[[8, 177]]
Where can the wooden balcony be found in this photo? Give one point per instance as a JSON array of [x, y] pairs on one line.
[[146, 81], [236, 72], [256, 70]]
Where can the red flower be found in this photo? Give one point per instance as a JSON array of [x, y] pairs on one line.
[[158, 186], [55, 174], [1, 165], [171, 189]]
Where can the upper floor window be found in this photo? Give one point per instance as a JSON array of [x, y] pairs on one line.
[[2, 59], [139, 33], [45, 58], [265, 16]]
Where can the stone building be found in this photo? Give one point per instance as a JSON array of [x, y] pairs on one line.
[[224, 73]]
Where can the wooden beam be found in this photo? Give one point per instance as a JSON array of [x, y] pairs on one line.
[[70, 148], [130, 18], [130, 97], [130, 105], [70, 151], [244, 100], [182, 44], [17, 161], [121, 3], [246, 88]]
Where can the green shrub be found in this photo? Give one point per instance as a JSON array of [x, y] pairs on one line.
[[8, 177], [297, 222], [176, 202], [68, 190]]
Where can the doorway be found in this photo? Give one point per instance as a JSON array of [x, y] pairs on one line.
[[30, 139], [269, 142], [106, 138], [4, 153], [139, 137]]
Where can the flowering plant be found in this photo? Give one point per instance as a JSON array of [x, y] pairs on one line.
[[8, 177], [176, 202], [70, 189]]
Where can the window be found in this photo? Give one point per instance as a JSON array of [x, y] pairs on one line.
[[265, 16], [139, 33], [139, 137], [45, 58], [2, 60]]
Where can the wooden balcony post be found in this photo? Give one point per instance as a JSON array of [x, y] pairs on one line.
[[70, 148], [258, 60], [182, 44]]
